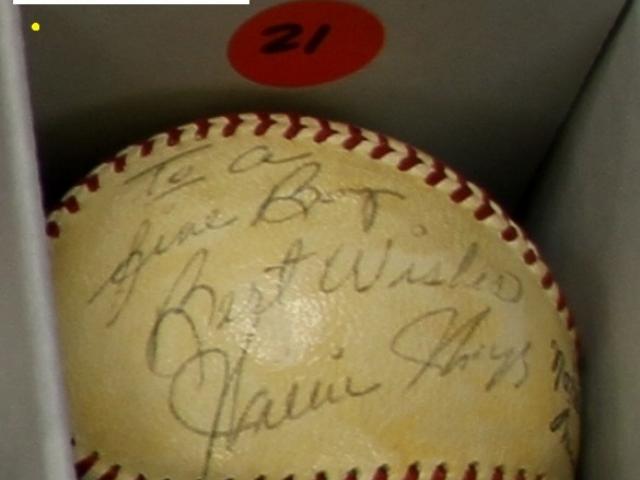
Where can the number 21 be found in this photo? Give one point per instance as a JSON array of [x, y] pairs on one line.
[[286, 37]]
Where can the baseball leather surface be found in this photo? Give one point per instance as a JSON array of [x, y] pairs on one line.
[[279, 295]]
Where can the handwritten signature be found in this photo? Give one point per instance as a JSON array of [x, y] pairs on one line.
[[148, 245], [218, 374], [221, 373], [457, 347], [565, 382]]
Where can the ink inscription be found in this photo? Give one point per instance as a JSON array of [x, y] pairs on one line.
[[565, 383], [457, 348], [210, 376]]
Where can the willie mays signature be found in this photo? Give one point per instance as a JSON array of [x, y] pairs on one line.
[[457, 347], [219, 373]]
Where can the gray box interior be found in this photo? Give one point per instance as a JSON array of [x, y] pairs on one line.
[[33, 433], [585, 214], [487, 86]]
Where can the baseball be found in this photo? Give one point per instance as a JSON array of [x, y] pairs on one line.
[[269, 295]]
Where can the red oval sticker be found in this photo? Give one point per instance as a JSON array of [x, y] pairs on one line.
[[306, 42]]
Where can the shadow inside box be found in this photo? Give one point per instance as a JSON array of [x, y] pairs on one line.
[[581, 267], [592, 334], [71, 145]]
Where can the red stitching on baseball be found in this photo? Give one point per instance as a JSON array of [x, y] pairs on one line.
[[85, 464], [547, 281], [324, 132], [202, 128], [71, 204], [485, 210], [230, 128], [354, 139], [52, 229], [410, 160], [173, 136], [146, 147], [439, 473], [471, 473], [530, 257], [498, 474], [92, 182], [509, 234], [295, 126], [562, 301], [265, 122], [437, 174], [381, 473], [351, 475], [110, 474], [413, 472], [461, 193], [119, 163], [521, 475], [382, 148]]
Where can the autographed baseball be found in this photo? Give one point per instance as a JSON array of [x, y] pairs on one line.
[[274, 295]]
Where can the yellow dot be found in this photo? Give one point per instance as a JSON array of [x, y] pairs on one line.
[[35, 26]]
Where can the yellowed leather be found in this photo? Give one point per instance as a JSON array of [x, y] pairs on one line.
[[466, 362]]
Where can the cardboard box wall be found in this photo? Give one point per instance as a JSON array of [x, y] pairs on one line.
[[586, 215], [486, 86]]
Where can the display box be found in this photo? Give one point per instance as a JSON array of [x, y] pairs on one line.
[[533, 100]]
